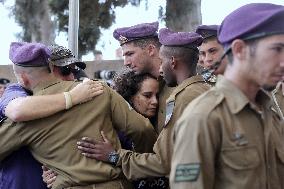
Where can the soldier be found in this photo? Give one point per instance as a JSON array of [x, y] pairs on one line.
[[140, 46], [211, 52], [179, 55], [229, 137], [19, 169], [52, 140], [3, 83]]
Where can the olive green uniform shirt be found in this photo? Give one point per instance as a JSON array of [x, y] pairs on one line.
[[278, 99], [222, 141], [52, 140], [135, 165], [164, 94]]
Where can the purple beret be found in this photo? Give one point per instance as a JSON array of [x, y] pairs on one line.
[[140, 31], [183, 39], [252, 21], [207, 31], [61, 56], [29, 54]]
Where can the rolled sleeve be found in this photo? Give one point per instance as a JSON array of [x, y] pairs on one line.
[[11, 92]]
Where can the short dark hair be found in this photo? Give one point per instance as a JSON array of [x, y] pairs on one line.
[[252, 43], [188, 56], [127, 83], [142, 43]]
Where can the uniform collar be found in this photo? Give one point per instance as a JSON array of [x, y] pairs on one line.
[[184, 84], [45, 84], [278, 89], [236, 99]]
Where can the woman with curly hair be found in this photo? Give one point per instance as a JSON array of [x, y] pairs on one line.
[[140, 91]]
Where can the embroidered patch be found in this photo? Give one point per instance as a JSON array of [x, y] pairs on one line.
[[169, 111], [187, 172]]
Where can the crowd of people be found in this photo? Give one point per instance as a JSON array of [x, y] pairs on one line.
[[200, 109]]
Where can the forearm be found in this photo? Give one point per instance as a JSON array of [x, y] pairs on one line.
[[135, 165], [34, 107]]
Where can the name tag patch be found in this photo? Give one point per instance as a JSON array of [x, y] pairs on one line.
[[187, 172]]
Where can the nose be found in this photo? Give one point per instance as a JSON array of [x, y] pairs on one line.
[[126, 62], [154, 101], [161, 70], [208, 60]]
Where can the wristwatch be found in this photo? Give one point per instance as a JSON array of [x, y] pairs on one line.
[[113, 157]]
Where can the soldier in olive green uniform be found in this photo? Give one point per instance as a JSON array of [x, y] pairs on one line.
[[278, 99], [179, 55], [140, 46], [210, 52], [229, 137], [52, 140]]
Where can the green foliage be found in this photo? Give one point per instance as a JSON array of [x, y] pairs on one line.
[[93, 15]]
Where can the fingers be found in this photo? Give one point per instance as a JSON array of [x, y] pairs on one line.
[[48, 176], [86, 149], [89, 140]]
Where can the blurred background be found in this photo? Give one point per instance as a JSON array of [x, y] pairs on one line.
[[46, 21]]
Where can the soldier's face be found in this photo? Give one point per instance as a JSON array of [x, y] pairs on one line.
[[210, 52], [145, 101], [266, 61], [136, 58], [166, 70]]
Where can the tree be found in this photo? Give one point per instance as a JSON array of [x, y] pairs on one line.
[[183, 15], [35, 18]]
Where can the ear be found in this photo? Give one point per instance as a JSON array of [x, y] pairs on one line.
[[152, 50], [173, 62], [239, 49], [25, 80]]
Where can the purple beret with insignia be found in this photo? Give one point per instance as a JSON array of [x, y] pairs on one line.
[[61, 56], [136, 32], [180, 39], [207, 31], [29, 54], [252, 21]]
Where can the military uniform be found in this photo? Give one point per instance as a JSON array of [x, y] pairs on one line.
[[224, 141], [164, 94], [136, 165], [52, 140], [278, 99]]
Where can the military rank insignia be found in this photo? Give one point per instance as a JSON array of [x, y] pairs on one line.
[[169, 111], [187, 172]]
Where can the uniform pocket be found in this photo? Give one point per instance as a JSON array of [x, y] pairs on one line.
[[241, 158]]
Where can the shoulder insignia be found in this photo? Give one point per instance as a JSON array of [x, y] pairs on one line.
[[169, 111], [187, 172]]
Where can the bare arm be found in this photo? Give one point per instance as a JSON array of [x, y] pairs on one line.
[[35, 107]]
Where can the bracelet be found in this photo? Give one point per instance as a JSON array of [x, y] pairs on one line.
[[68, 100]]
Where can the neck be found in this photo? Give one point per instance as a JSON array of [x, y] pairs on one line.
[[182, 75], [155, 67], [243, 82], [34, 82]]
